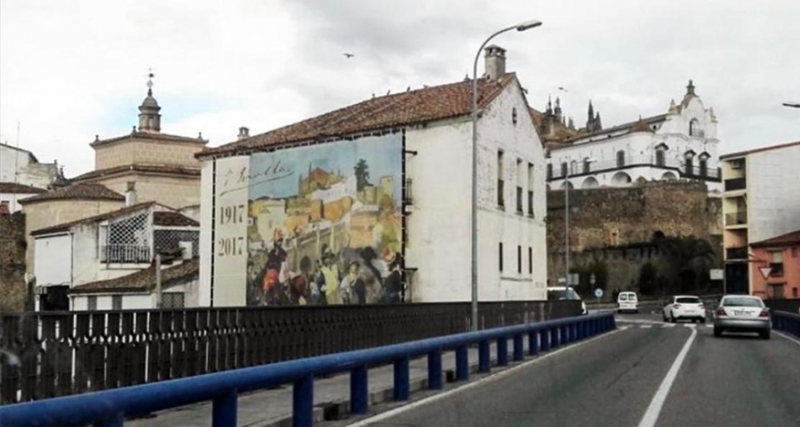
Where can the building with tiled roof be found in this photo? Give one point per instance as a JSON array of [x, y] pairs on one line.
[[162, 167], [21, 166], [107, 254], [394, 207], [776, 267], [680, 144], [11, 193]]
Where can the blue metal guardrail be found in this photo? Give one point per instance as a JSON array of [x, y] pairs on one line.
[[786, 322], [110, 408]]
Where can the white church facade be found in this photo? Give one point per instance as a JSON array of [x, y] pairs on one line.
[[680, 144]]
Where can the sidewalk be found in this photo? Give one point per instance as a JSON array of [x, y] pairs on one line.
[[273, 408]]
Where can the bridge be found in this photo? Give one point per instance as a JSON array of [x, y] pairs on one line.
[[629, 370]]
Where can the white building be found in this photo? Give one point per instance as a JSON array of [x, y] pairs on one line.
[[107, 261], [681, 144], [418, 139], [22, 167], [11, 194], [761, 201]]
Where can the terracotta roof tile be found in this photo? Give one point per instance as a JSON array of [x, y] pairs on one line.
[[156, 136], [88, 220], [788, 239], [159, 169], [14, 188], [76, 192], [174, 219], [384, 112], [143, 280]]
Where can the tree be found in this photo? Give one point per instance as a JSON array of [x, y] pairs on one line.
[[362, 174], [687, 261]]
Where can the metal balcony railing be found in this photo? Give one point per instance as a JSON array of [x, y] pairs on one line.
[[128, 254], [735, 184], [736, 253], [695, 172], [736, 218]]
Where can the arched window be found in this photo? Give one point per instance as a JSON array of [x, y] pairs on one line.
[[689, 166], [694, 128], [563, 169], [620, 158], [660, 161], [573, 168], [703, 167]]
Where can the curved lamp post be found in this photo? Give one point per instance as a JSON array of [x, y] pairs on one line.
[[527, 25]]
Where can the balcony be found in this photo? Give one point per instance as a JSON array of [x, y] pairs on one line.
[[736, 218], [736, 253], [735, 184], [125, 254]]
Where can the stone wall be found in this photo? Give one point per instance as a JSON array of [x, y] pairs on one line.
[[13, 292], [615, 226], [146, 152]]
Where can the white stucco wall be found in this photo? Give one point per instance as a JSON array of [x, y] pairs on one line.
[[55, 264], [13, 200], [16, 166], [439, 224], [773, 193]]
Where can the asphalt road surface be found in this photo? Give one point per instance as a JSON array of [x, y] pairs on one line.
[[645, 374]]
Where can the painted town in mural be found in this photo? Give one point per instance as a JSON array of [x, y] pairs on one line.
[[324, 224]]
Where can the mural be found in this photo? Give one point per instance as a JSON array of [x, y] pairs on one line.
[[324, 224]]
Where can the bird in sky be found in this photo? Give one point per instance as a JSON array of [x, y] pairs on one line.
[[348, 55]]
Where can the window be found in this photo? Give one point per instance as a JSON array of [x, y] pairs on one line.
[[794, 252], [660, 160], [549, 171], [530, 189], [573, 167], [116, 302], [689, 166], [91, 302], [519, 259], [172, 300], [776, 265], [777, 290], [703, 167], [514, 116], [530, 260], [620, 158], [520, 179], [563, 168], [501, 256], [587, 166], [500, 184]]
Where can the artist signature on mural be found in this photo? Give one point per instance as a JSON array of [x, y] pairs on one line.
[[241, 180]]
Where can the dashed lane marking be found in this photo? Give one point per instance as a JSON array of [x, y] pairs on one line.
[[645, 326]]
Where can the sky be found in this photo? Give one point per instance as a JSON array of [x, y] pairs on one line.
[[70, 70]]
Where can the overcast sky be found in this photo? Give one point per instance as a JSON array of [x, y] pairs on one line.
[[73, 69]]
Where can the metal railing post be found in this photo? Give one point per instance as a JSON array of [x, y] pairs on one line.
[[484, 361], [533, 343], [555, 338], [401, 379], [223, 410], [435, 370], [518, 348], [303, 402], [544, 334], [359, 389], [502, 351], [462, 363]]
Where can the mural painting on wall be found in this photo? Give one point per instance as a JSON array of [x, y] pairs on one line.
[[325, 224]]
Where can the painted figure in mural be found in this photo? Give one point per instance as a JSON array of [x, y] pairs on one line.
[[330, 274], [299, 285], [352, 288], [394, 282], [271, 282], [371, 275]]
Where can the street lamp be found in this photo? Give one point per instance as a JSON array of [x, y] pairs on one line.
[[527, 25], [567, 283]]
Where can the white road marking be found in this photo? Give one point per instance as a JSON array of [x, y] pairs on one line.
[[688, 325], [622, 328], [709, 326], [645, 326], [467, 386], [668, 325], [651, 415], [787, 336]]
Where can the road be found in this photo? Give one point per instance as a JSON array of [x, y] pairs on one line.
[[619, 380]]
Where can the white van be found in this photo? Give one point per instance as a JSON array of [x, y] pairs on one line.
[[627, 301]]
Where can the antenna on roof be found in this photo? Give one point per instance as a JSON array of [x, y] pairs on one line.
[[150, 76]]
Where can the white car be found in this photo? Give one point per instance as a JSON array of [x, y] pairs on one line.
[[742, 313], [627, 301], [684, 307]]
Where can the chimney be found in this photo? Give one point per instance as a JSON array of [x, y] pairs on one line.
[[495, 62], [244, 132], [130, 194]]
